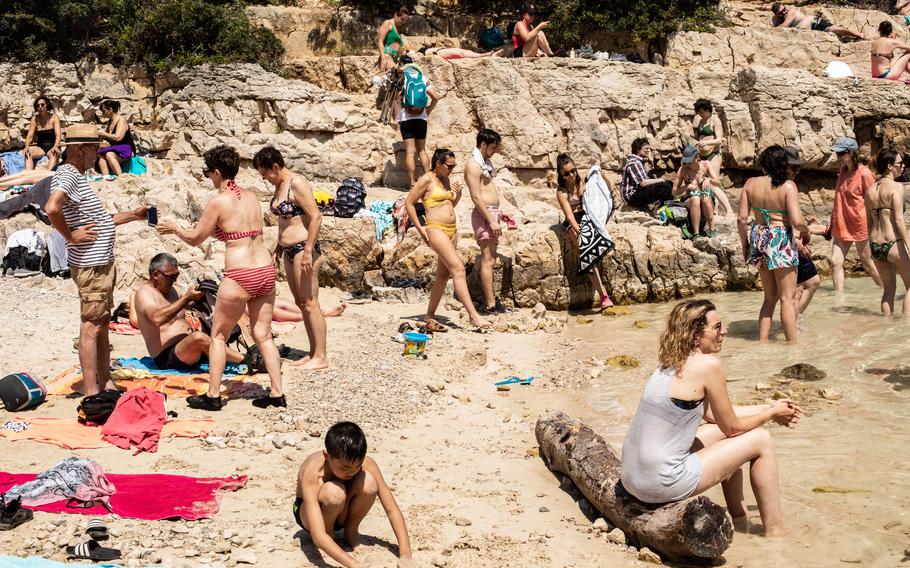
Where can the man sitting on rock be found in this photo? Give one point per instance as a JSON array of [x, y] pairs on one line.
[[161, 311], [792, 17], [638, 188]]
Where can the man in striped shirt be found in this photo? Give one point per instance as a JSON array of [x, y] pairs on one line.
[[77, 213], [638, 188]]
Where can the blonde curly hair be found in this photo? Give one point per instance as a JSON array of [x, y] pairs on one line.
[[687, 320]]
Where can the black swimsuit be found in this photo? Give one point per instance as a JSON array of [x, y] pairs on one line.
[[45, 139], [287, 209]]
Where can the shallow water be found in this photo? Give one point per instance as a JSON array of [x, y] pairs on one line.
[[858, 442]]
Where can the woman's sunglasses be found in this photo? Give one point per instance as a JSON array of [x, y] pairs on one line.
[[572, 172]]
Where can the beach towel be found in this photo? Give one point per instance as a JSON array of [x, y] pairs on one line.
[[123, 328], [13, 162], [176, 383], [593, 239], [72, 478], [148, 365], [149, 496], [136, 421], [38, 562], [70, 434], [487, 169], [382, 213]]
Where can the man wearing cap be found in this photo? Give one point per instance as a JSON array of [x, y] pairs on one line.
[[807, 278], [77, 213], [638, 188]]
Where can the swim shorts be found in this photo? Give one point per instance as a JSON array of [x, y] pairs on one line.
[[482, 229], [414, 129], [806, 270], [773, 247], [168, 359], [820, 24]]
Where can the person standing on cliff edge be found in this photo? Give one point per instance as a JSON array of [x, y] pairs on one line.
[[478, 175]]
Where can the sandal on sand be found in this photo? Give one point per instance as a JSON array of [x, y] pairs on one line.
[[97, 529], [435, 327], [406, 326], [204, 402], [12, 515], [91, 550]]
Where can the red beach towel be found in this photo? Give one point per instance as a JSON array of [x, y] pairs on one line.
[[137, 420], [149, 497]]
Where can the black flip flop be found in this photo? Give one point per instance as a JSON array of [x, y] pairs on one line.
[[97, 529], [14, 515], [91, 550]]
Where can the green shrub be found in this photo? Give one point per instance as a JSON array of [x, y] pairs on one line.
[[156, 34]]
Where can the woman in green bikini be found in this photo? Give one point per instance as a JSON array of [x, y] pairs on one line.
[[887, 230], [709, 136], [695, 185], [389, 41]]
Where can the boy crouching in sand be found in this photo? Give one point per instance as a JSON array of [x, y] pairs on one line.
[[337, 487]]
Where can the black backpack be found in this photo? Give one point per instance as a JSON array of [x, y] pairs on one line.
[[350, 198], [97, 408], [205, 309]]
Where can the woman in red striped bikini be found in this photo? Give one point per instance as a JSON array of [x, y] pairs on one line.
[[235, 218]]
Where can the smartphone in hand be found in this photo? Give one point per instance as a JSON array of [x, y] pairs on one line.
[[152, 216]]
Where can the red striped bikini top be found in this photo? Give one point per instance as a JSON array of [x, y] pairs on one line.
[[221, 235]]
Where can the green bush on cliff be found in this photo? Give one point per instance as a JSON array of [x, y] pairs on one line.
[[156, 34]]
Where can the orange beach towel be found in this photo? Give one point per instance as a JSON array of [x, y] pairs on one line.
[[72, 435], [179, 386]]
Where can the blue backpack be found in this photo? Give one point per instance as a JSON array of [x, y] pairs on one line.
[[415, 98]]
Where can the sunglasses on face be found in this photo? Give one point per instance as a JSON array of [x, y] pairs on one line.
[[844, 153], [572, 172], [170, 277], [42, 105], [450, 166], [206, 172]]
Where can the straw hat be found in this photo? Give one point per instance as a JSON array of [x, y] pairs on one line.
[[82, 134]]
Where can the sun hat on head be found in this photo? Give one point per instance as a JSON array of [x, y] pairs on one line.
[[689, 154], [844, 144], [793, 157], [82, 134]]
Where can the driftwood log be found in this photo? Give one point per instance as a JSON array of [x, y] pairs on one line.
[[696, 529]]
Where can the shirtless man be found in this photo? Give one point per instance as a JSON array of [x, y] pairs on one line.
[[478, 174], [336, 489], [161, 311], [792, 17]]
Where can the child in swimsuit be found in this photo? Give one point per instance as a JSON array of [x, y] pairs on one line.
[[337, 487]]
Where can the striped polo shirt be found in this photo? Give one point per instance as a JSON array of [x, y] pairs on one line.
[[82, 207]]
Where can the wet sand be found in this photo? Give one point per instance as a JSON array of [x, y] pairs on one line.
[[461, 457]]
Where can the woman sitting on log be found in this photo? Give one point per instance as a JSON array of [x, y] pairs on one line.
[[670, 454]]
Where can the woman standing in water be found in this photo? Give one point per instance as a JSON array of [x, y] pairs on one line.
[[888, 232], [569, 193], [440, 232], [770, 246], [848, 216], [669, 454], [234, 217], [299, 221]]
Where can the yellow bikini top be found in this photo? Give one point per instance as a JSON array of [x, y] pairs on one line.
[[438, 195]]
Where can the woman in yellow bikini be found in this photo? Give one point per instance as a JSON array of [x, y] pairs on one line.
[[439, 231]]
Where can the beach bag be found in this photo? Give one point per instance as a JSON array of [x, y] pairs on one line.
[[490, 38], [415, 90], [673, 213], [21, 391], [204, 308], [97, 408], [350, 198]]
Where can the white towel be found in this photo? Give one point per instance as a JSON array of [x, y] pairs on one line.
[[486, 166]]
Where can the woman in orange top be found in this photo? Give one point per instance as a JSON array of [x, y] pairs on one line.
[[848, 217]]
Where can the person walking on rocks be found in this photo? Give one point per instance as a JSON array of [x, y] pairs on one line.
[[792, 17], [709, 136], [570, 193], [389, 41], [771, 246], [687, 436], [89, 230], [848, 223], [478, 175], [413, 117], [638, 188], [234, 217], [884, 66], [439, 198], [299, 222], [888, 231]]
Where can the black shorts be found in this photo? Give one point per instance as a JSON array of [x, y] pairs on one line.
[[297, 503], [414, 129], [821, 24], [806, 270], [167, 359]]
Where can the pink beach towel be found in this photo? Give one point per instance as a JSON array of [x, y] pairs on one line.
[[150, 497], [137, 420]]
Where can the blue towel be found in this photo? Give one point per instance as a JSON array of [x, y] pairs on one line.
[[14, 162], [38, 562], [148, 364], [382, 213]]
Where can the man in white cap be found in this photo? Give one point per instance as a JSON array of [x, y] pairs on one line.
[[77, 213]]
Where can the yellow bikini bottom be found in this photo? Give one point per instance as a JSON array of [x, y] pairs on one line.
[[448, 228]]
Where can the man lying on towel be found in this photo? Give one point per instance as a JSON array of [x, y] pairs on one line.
[[161, 311]]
